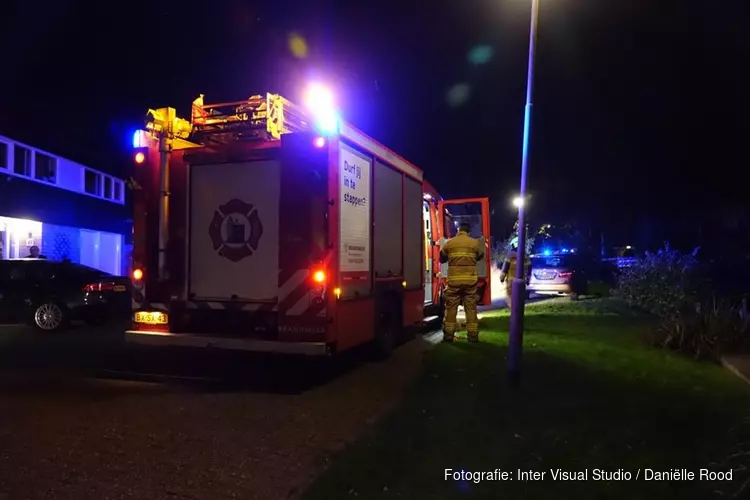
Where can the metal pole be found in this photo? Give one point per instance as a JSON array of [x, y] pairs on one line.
[[518, 287], [165, 151]]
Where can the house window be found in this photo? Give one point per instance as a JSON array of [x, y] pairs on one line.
[[22, 161], [117, 191], [3, 155], [92, 182], [108, 188], [45, 168]]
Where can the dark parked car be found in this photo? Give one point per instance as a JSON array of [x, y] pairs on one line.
[[50, 294]]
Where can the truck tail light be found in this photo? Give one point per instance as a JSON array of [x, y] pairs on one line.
[[137, 274], [319, 142], [319, 277], [565, 275], [139, 158]]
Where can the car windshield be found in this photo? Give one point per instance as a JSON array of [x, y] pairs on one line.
[[550, 262]]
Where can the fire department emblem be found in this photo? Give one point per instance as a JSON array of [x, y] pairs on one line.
[[235, 230]]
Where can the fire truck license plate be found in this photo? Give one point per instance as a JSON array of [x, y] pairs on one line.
[[151, 318]]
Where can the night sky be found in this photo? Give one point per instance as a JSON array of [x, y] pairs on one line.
[[640, 105]]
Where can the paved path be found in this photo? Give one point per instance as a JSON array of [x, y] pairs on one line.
[[739, 365]]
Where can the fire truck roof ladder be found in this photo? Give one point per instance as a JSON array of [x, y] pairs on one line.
[[257, 118]]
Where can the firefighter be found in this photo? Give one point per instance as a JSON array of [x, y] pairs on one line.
[[461, 253], [508, 272]]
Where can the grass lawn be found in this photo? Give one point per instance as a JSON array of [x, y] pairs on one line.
[[593, 397]]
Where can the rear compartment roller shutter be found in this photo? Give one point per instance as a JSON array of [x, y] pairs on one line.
[[388, 211]]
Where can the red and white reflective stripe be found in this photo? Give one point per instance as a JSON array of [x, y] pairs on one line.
[[293, 284], [295, 298], [301, 306]]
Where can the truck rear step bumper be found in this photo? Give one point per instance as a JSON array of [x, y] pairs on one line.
[[235, 344]]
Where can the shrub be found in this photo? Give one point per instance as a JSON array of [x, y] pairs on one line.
[[662, 283], [715, 327], [692, 318]]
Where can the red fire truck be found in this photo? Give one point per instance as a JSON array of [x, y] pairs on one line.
[[261, 226]]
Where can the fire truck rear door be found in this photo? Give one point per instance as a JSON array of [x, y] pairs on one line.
[[234, 231], [475, 211]]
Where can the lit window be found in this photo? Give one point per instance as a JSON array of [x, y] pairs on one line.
[[45, 168]]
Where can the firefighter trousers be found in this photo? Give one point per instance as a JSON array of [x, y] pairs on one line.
[[455, 295], [508, 292]]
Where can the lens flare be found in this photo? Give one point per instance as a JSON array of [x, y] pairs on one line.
[[297, 46]]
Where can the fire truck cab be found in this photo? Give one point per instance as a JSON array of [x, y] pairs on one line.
[[263, 226]]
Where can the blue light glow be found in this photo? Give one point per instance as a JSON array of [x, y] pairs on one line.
[[546, 252], [327, 123], [564, 250], [480, 54], [139, 139]]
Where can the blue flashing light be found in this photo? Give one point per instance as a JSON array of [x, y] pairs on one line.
[[564, 250], [139, 139], [327, 123], [546, 252]]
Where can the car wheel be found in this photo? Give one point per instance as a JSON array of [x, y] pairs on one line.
[[50, 317]]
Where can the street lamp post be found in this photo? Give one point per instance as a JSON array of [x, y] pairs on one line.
[[518, 287]]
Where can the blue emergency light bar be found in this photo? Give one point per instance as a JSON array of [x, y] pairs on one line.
[[139, 139], [547, 252]]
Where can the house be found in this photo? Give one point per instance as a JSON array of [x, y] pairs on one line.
[[68, 210]]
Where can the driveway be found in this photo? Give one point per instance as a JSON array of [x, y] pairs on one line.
[[85, 417]]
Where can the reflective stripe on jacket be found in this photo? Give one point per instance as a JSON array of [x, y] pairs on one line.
[[462, 253]]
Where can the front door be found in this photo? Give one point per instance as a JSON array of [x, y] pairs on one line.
[[475, 211]]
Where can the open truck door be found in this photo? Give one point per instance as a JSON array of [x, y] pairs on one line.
[[475, 211]]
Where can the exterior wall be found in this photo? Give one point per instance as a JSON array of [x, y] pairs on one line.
[[26, 199], [61, 242], [22, 161], [65, 197]]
